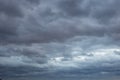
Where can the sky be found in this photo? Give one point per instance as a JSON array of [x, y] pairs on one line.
[[60, 39]]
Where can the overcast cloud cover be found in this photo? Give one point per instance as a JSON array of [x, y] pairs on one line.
[[60, 39]]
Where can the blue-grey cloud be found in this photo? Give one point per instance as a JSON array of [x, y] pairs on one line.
[[59, 38], [66, 19]]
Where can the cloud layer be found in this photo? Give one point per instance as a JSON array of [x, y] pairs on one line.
[[40, 21], [78, 38]]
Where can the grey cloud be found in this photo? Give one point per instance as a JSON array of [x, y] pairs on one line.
[[22, 55], [74, 8], [79, 38], [105, 11], [49, 25], [34, 1], [45, 22], [38, 57], [49, 59], [20, 71], [7, 26], [10, 8]]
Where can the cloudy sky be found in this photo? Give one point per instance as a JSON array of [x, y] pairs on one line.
[[60, 39]]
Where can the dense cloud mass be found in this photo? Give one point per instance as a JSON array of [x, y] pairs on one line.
[[49, 39]]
